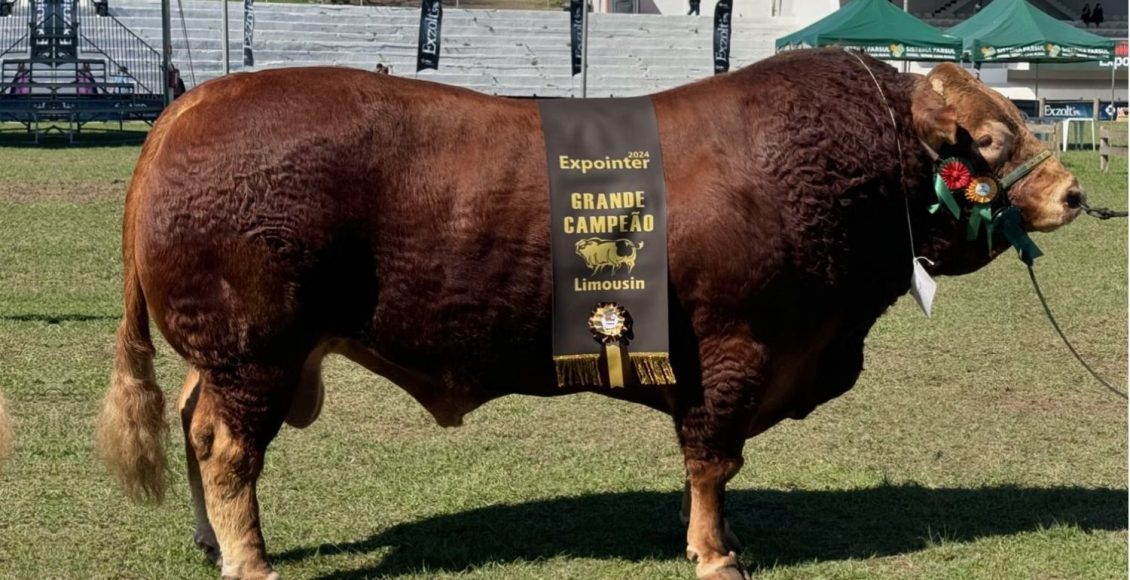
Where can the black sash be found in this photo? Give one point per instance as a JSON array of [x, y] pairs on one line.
[[609, 236]]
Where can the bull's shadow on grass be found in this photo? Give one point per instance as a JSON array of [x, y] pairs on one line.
[[777, 527], [94, 135], [60, 318]]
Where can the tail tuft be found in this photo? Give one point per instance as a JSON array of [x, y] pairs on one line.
[[132, 430]]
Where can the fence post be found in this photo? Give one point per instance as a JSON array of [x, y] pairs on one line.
[[1095, 114]]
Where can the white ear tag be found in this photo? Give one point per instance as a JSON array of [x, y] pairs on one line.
[[922, 286]]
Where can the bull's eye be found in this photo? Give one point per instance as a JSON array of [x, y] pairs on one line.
[[994, 143]]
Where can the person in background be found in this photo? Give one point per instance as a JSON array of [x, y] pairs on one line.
[[122, 78], [976, 7], [85, 80], [1086, 15], [176, 82], [21, 82], [1097, 14], [695, 4]]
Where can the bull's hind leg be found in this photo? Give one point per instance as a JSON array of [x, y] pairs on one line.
[[237, 414], [204, 536]]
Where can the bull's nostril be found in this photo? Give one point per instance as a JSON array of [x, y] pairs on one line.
[[1074, 199]]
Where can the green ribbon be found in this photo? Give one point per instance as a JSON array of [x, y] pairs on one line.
[[1009, 222], [981, 213], [945, 196]]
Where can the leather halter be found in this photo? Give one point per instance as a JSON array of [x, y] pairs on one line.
[[1013, 176], [1008, 217], [1026, 168]]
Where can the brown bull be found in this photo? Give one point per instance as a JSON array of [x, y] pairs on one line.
[[266, 227]]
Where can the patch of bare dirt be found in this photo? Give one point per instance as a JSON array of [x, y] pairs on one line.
[[62, 191]]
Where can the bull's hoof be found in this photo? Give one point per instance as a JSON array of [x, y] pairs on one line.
[[724, 568], [729, 573], [267, 574], [731, 540], [210, 547], [248, 569]]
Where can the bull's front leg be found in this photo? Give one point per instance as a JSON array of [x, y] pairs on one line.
[[731, 539], [712, 433]]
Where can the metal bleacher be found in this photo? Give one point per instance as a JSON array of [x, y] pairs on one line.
[[505, 52], [67, 63]]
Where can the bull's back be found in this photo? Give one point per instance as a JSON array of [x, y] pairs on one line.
[[304, 202]]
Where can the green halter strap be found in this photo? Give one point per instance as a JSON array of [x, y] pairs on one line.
[[1009, 218], [1025, 169]]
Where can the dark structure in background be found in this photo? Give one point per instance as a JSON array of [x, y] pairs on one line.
[[65, 64]]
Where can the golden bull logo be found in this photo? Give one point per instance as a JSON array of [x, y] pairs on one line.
[[599, 254]]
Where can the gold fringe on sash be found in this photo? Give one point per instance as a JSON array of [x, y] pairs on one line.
[[577, 369], [653, 368]]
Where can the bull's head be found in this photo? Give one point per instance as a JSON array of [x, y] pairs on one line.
[[954, 109]]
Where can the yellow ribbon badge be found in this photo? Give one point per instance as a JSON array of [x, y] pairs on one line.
[[611, 326]]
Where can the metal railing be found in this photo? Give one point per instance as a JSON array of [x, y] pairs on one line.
[[107, 36], [14, 28]]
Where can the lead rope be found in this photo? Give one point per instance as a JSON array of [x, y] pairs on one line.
[[1102, 213], [1070, 347]]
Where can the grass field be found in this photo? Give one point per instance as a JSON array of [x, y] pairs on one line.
[[972, 447]]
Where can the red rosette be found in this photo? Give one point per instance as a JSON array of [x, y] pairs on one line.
[[956, 174]]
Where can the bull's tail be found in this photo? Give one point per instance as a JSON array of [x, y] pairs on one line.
[[132, 429]]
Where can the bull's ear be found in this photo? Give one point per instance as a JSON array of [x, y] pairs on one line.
[[935, 121]]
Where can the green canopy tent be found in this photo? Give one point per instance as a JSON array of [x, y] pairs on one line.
[[1016, 31], [878, 28]]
